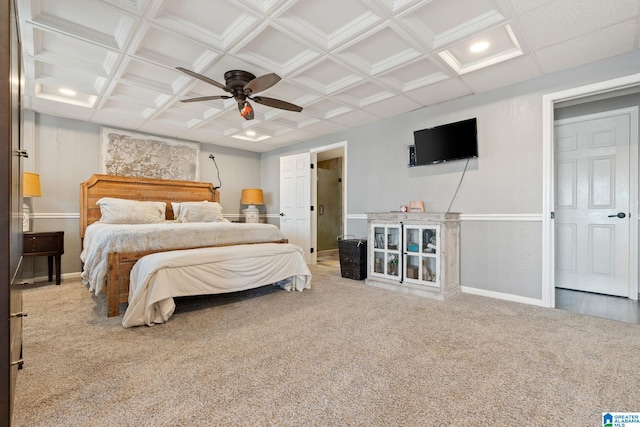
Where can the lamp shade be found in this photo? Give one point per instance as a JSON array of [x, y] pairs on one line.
[[252, 196], [31, 185]]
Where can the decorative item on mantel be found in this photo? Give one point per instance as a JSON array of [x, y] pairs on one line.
[[252, 197], [30, 188], [416, 206]]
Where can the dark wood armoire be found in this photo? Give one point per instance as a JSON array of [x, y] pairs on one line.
[[10, 209]]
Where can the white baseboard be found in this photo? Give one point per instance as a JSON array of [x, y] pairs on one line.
[[502, 296], [32, 280]]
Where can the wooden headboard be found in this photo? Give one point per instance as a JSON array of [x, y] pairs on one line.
[[124, 187]]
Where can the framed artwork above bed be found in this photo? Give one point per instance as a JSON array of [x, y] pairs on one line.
[[123, 153]]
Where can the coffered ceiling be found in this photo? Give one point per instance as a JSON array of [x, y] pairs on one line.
[[346, 62]]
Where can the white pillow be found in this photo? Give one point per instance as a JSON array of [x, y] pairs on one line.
[[176, 208], [200, 212], [123, 211]]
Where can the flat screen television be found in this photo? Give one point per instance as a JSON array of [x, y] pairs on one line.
[[444, 143]]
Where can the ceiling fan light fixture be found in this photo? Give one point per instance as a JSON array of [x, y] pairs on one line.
[[246, 109], [242, 85]]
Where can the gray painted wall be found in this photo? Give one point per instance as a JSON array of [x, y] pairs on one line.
[[502, 255], [506, 180], [65, 153]]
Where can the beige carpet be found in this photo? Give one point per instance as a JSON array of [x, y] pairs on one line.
[[339, 354]]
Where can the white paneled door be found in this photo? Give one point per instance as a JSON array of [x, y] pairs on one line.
[[295, 201], [592, 203]]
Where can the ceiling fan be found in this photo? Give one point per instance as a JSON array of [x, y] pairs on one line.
[[242, 85]]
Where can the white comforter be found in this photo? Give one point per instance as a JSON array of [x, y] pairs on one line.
[[100, 239], [157, 278]]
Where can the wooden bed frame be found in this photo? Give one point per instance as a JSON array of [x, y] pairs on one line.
[[144, 189]]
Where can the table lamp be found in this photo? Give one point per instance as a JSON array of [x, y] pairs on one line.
[[252, 197], [30, 188]]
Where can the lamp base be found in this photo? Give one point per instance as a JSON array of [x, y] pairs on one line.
[[25, 218], [251, 214]]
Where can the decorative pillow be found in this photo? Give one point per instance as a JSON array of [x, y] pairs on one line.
[[123, 211], [176, 208], [200, 212]]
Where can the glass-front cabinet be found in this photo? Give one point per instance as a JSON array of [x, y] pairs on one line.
[[386, 253], [414, 252], [420, 254]]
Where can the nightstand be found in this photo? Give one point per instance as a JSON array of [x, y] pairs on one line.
[[47, 243]]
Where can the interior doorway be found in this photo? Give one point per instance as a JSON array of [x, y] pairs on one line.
[[594, 176], [606, 90], [295, 202], [329, 200], [329, 210]]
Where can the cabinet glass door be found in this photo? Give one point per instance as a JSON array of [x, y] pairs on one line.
[[386, 250], [420, 253]]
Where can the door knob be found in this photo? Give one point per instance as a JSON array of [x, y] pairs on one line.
[[619, 215], [281, 214]]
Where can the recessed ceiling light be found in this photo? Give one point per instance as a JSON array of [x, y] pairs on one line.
[[479, 46], [68, 92], [251, 135]]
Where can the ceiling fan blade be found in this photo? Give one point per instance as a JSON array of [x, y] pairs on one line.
[[206, 98], [261, 83], [204, 78], [246, 110], [277, 103]]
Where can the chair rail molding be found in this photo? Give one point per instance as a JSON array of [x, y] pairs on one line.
[[55, 215], [529, 217]]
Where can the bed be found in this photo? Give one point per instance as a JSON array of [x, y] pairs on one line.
[[109, 251], [158, 278]]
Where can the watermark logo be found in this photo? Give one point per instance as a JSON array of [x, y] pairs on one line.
[[621, 419]]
